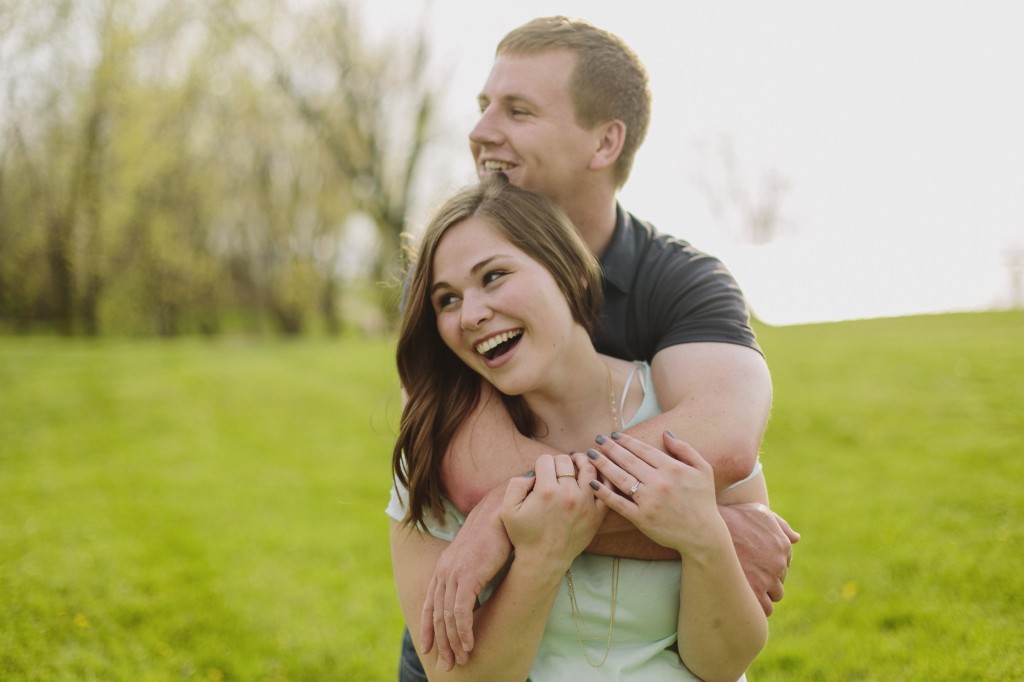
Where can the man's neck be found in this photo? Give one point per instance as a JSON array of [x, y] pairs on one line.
[[595, 222]]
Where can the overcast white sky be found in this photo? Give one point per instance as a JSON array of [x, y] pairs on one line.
[[898, 125]]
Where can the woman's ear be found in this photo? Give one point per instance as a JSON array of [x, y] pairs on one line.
[[610, 137]]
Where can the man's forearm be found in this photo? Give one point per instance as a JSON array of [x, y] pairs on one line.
[[630, 544]]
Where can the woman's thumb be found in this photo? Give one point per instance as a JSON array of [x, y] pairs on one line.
[[517, 490]]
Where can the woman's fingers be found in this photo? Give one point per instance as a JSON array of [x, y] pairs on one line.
[[517, 490], [628, 460], [586, 472], [617, 473], [683, 451], [617, 503], [564, 467]]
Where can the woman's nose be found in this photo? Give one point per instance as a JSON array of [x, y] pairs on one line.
[[475, 311]]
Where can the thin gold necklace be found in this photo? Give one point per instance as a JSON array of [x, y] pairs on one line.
[[582, 632]]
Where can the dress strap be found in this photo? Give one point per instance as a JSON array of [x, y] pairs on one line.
[[639, 373]]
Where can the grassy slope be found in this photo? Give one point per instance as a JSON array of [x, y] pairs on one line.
[[895, 449], [214, 510], [191, 510]]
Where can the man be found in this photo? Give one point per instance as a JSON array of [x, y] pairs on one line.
[[563, 112]]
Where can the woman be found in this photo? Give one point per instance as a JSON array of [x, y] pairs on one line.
[[504, 289]]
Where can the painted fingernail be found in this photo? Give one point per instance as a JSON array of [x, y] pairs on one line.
[[595, 485], [600, 439], [671, 435], [616, 435], [592, 453], [530, 474]]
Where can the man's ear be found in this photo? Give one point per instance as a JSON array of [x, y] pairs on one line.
[[610, 137]]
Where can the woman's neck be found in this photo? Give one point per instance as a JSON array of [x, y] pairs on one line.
[[579, 403]]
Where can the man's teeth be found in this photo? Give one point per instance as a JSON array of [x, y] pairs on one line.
[[495, 341], [496, 165]]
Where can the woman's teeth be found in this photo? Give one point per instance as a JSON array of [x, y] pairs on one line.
[[495, 341]]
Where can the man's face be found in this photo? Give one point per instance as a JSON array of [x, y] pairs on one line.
[[527, 127]]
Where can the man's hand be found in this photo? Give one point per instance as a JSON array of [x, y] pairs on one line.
[[476, 555], [764, 545]]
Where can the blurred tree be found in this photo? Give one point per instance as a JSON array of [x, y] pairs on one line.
[[95, 129], [282, 205], [48, 161], [755, 215], [166, 164], [371, 107]]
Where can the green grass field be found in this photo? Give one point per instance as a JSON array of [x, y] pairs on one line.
[[214, 510]]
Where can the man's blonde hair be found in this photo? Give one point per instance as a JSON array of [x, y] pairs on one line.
[[609, 81]]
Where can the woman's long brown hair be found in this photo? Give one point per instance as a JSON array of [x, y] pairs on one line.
[[441, 391]]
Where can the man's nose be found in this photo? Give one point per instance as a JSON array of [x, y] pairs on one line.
[[486, 130]]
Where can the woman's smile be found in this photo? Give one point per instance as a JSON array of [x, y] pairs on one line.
[[499, 344], [492, 300]]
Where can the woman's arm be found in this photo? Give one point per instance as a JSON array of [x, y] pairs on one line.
[[550, 520], [717, 395], [509, 625], [671, 499]]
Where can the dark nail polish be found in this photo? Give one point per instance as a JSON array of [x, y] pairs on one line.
[[592, 453], [530, 474], [600, 439], [616, 435], [595, 485], [671, 435]]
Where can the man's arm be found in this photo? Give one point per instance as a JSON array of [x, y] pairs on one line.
[[486, 453], [717, 396]]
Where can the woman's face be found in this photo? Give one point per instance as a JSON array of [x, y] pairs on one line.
[[499, 310]]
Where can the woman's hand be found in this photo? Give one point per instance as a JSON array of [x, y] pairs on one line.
[[552, 513], [669, 497]]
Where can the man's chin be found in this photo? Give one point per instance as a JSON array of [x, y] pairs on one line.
[[489, 174]]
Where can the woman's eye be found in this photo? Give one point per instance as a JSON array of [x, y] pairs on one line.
[[445, 300], [493, 275]]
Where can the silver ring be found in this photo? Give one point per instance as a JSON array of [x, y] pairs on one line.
[[632, 491]]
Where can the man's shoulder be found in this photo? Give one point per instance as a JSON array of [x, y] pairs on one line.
[[658, 251]]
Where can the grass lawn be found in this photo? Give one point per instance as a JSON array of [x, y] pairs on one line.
[[895, 448], [193, 510], [214, 510]]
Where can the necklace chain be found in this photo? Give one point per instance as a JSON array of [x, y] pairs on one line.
[[582, 632], [612, 403]]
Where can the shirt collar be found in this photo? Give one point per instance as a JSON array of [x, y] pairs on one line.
[[619, 260]]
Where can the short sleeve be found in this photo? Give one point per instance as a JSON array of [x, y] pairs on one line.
[[699, 301], [445, 529]]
